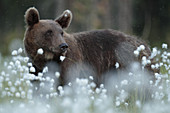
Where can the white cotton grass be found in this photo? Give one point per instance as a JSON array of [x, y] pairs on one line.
[[29, 64], [45, 70], [117, 65], [154, 53], [145, 61], [136, 53], [124, 82], [17, 52], [20, 50], [32, 69], [57, 74], [14, 52], [165, 46], [138, 103], [62, 58], [138, 50], [26, 59], [40, 51], [142, 47], [125, 93]]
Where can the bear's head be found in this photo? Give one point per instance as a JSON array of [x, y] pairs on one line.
[[46, 34]]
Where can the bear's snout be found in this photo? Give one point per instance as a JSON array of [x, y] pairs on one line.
[[63, 47]]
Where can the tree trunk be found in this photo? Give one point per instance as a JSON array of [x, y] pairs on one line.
[[148, 23], [93, 15], [107, 16], [125, 15]]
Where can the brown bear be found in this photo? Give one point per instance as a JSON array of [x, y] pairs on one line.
[[99, 49]]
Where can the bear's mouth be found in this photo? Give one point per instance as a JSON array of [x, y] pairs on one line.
[[51, 55]]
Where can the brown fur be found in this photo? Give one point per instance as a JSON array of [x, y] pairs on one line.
[[100, 49]]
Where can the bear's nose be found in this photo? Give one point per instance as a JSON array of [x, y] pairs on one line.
[[63, 47]]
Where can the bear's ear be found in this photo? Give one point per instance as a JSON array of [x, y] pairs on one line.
[[65, 19], [31, 16]]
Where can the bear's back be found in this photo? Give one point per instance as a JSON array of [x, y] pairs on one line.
[[103, 48]]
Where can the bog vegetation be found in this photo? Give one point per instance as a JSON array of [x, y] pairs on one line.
[[132, 92]]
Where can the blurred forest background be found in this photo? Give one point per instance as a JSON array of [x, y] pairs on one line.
[[147, 19]]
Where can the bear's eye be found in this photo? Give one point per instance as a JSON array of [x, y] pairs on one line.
[[48, 33]]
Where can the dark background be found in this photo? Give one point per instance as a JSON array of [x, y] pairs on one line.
[[147, 19]]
